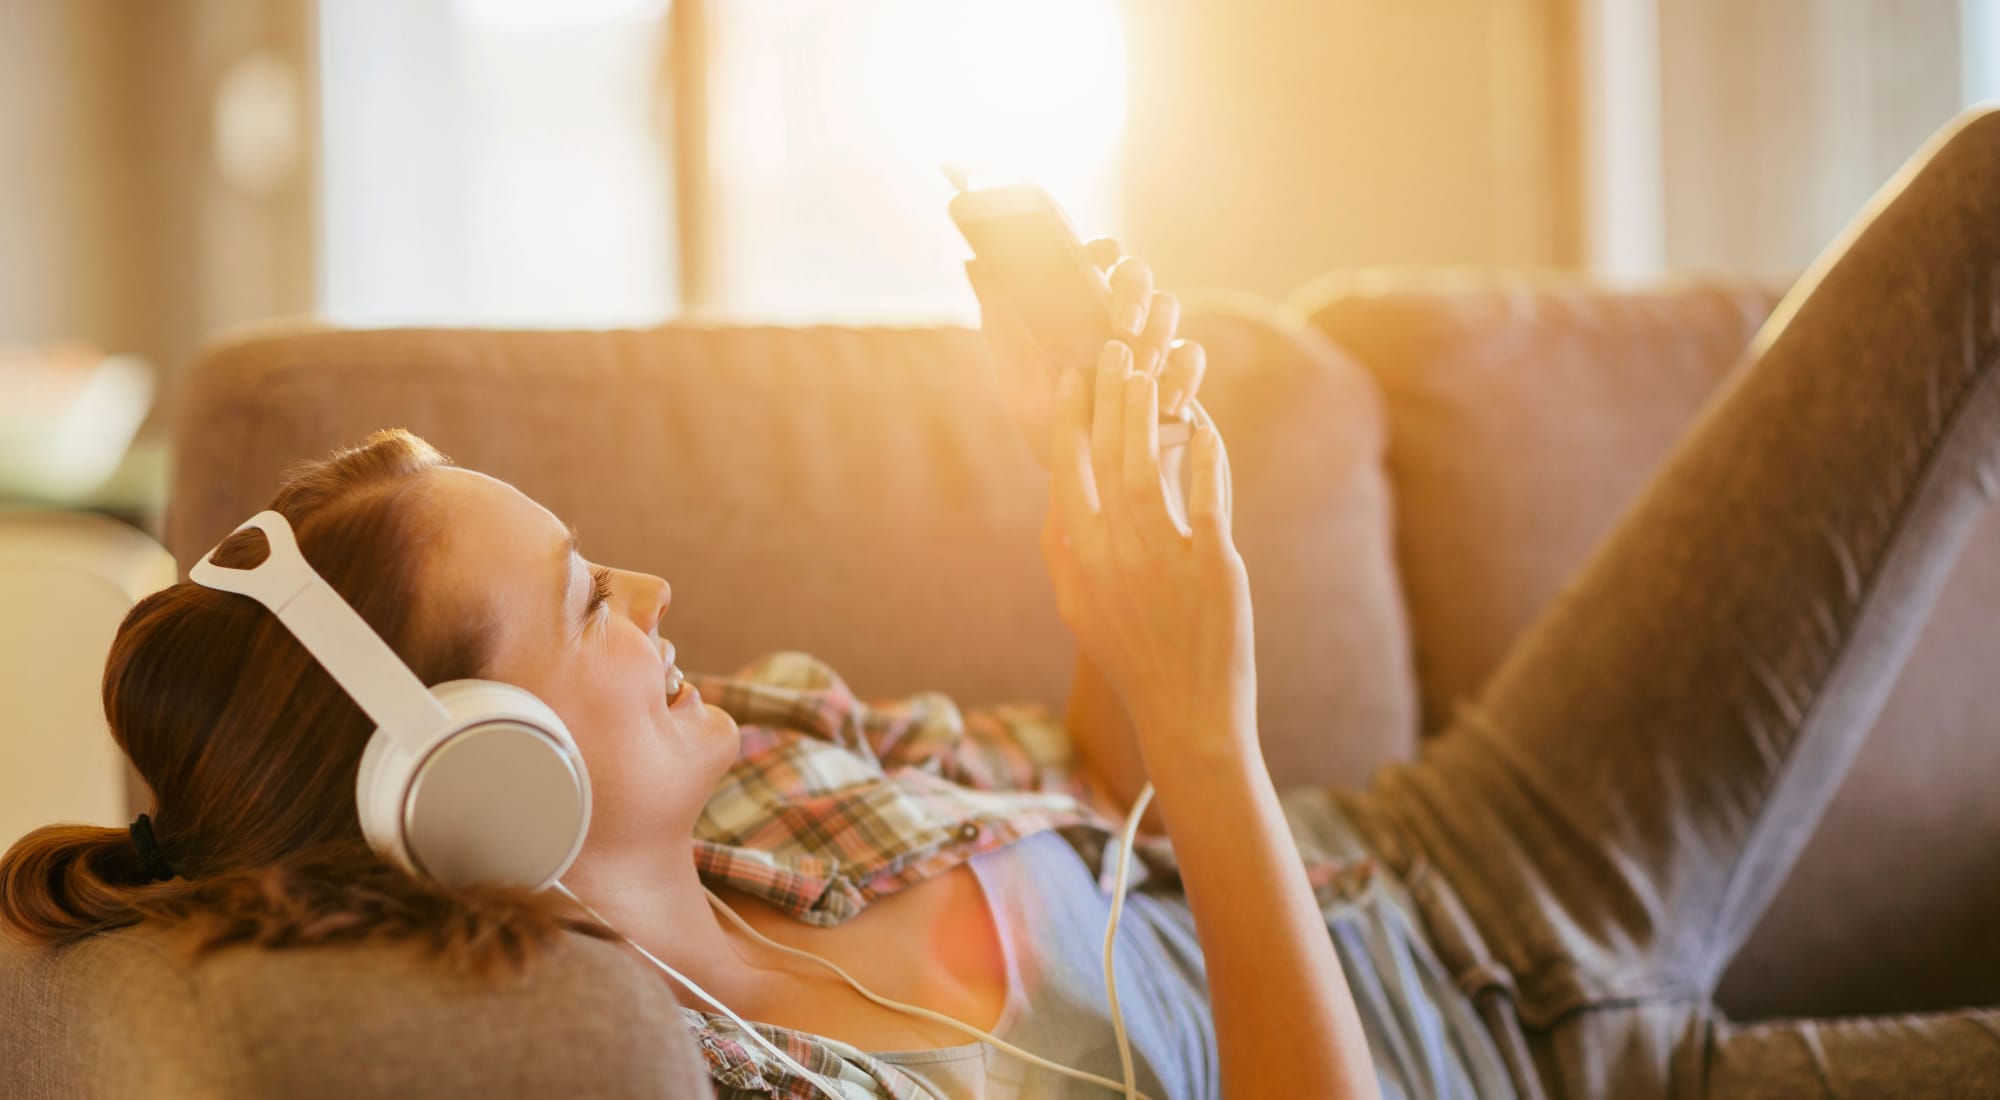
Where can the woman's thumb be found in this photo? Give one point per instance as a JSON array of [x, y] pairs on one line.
[[1208, 493]]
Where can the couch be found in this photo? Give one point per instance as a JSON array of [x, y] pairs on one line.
[[1421, 458]]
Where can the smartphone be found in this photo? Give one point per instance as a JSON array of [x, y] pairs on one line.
[[1023, 243]]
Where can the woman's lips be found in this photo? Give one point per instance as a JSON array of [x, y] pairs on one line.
[[685, 697]]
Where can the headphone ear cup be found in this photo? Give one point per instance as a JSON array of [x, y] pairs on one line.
[[386, 768], [498, 795]]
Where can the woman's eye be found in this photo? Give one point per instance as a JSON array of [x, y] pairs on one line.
[[600, 590]]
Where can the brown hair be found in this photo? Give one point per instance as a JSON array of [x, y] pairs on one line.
[[251, 750]]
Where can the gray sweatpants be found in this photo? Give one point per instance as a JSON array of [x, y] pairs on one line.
[[1593, 838]]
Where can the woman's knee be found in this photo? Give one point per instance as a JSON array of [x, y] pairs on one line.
[[1960, 165]]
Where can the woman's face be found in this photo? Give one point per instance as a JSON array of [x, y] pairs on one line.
[[585, 640]]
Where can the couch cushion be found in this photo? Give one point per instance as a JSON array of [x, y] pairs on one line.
[[856, 493], [121, 1014], [1524, 415]]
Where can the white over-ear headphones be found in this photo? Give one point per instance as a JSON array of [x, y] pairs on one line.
[[468, 781]]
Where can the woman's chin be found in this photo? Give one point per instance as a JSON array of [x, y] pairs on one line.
[[726, 728]]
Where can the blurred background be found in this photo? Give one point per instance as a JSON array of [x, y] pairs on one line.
[[176, 167]]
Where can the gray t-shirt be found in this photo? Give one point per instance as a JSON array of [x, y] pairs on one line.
[[1424, 1036]]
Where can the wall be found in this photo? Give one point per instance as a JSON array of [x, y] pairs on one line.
[[1781, 118], [1272, 139], [116, 225], [74, 253]]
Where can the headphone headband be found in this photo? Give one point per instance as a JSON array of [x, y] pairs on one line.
[[332, 631]]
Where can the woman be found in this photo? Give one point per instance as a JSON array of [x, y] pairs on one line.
[[1569, 867]]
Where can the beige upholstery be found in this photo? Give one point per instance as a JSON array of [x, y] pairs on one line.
[[122, 1015], [1523, 416]]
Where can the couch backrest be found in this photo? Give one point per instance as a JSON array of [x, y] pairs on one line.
[[124, 1014], [1524, 415], [856, 493]]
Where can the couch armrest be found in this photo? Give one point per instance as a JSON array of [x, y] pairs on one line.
[[66, 581], [121, 1014]]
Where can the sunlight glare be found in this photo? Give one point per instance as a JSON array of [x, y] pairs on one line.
[[548, 15], [832, 121], [1032, 88]]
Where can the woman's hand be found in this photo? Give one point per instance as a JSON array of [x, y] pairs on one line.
[[1145, 319], [1162, 610]]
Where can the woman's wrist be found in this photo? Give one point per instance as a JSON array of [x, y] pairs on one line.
[[1200, 747]]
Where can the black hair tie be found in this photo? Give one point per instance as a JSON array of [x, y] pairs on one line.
[[149, 850]]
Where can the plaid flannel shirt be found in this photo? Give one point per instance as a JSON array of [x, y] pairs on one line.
[[834, 802]]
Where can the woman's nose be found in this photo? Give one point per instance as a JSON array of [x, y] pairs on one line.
[[650, 599]]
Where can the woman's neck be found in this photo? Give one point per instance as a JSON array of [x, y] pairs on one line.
[[656, 899]]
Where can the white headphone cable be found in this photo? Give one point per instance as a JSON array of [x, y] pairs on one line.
[[1128, 1087], [920, 1011], [1125, 840], [705, 995]]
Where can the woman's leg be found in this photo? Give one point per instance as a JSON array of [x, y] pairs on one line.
[[1604, 825]]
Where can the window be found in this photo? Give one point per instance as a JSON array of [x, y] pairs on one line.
[[1981, 56], [494, 162], [515, 161], [828, 123]]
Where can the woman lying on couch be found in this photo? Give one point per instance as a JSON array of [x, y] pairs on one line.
[[1540, 905]]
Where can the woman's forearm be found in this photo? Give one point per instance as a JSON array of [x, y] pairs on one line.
[[1101, 730], [1285, 1023]]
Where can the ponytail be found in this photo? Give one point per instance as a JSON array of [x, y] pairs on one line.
[[62, 882]]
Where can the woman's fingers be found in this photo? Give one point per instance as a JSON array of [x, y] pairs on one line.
[[1107, 430], [1209, 493], [1106, 490], [1145, 493], [1187, 361], [1072, 492], [1163, 318], [1105, 252], [1131, 293]]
